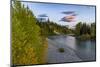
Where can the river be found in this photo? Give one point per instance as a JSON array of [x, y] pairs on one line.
[[74, 49]]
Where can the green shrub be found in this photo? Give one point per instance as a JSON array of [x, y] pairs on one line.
[[85, 37]]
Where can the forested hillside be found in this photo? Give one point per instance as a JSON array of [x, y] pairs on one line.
[[82, 30], [50, 28]]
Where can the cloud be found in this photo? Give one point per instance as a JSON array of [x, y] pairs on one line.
[[74, 14], [68, 12], [41, 19], [42, 15], [68, 18]]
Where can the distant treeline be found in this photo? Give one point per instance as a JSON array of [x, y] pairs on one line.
[[82, 30], [85, 31], [49, 28]]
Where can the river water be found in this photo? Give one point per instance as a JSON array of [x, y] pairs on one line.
[[81, 50]]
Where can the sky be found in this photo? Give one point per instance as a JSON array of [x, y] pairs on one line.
[[63, 14]]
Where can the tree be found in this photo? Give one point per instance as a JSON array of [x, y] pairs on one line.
[[77, 28], [27, 45], [93, 30], [85, 29]]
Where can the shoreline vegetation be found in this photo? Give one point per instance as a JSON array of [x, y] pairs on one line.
[[85, 31], [29, 44]]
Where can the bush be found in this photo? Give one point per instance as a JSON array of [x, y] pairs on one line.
[[85, 37]]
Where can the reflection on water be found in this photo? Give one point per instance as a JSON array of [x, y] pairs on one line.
[[86, 49], [83, 49]]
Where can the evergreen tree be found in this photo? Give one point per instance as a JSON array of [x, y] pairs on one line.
[[77, 29]]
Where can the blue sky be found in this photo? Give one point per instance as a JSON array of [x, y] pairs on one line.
[[54, 12]]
